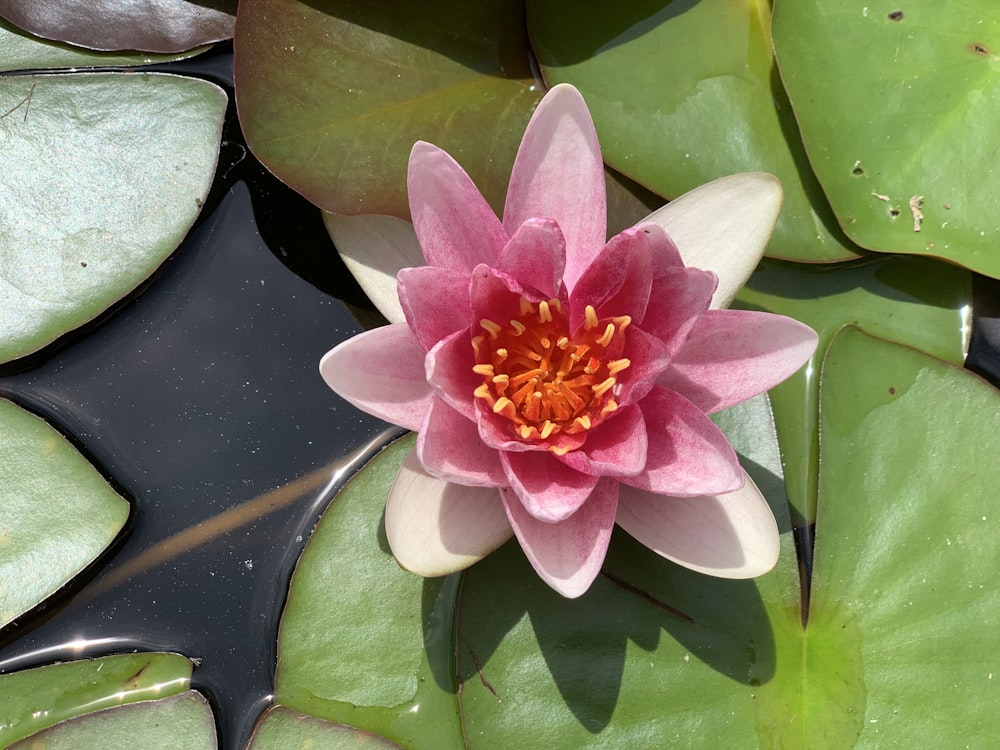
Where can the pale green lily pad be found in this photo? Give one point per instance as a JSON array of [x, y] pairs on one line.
[[104, 174], [20, 50], [360, 639], [59, 513], [903, 136], [683, 93], [34, 699], [182, 721], [917, 301], [334, 96], [283, 729]]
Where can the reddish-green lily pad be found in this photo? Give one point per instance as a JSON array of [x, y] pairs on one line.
[[104, 174], [59, 513], [683, 93], [22, 51], [283, 729], [149, 25], [903, 136], [332, 95], [34, 699]]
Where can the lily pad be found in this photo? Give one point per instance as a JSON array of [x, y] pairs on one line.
[[22, 51], [283, 729], [34, 699], [903, 137], [150, 25], [332, 95], [683, 93], [917, 301], [58, 512], [104, 173], [183, 720]]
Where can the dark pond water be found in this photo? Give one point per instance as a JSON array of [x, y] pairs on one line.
[[199, 398]]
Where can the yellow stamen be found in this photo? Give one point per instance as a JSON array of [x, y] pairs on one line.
[[518, 327], [591, 315], [503, 404], [525, 431], [547, 428], [615, 366], [609, 332], [544, 313], [562, 342], [582, 422], [490, 327], [526, 307], [600, 389], [560, 450], [485, 370], [609, 407]]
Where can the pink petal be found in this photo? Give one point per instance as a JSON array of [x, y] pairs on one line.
[[549, 490], [688, 454], [381, 372], [619, 279], [649, 357], [567, 555], [678, 298], [616, 447], [724, 226], [449, 371], [558, 174], [536, 256], [732, 355], [435, 302], [730, 536], [449, 448], [435, 527], [455, 225]]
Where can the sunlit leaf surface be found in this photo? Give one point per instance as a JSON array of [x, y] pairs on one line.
[[283, 729], [104, 174], [58, 512], [182, 721], [683, 93], [33, 699], [916, 301], [149, 25], [903, 137]]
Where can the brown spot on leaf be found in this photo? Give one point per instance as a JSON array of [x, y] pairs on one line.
[[892, 391], [896, 15], [979, 49]]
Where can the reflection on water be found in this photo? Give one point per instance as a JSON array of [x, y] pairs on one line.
[[201, 401]]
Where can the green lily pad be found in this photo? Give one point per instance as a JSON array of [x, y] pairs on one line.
[[22, 51], [104, 174], [332, 95], [917, 301], [151, 25], [58, 512], [654, 653], [683, 93], [34, 699], [182, 721], [283, 729], [903, 137]]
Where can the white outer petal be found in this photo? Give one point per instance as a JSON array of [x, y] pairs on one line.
[[435, 527], [729, 536], [724, 226], [374, 249]]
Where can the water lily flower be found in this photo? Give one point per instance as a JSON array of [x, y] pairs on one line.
[[560, 383]]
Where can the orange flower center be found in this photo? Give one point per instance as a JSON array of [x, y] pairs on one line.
[[544, 380]]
